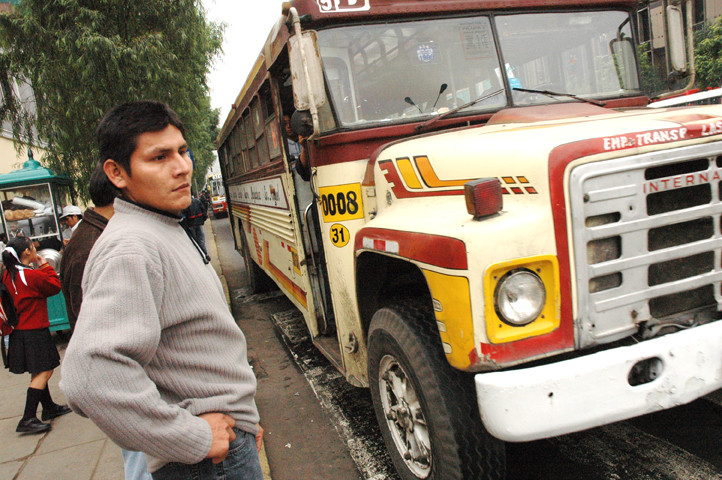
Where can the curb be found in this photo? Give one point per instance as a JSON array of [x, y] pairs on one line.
[[213, 252]]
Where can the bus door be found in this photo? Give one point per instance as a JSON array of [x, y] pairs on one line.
[[315, 260]]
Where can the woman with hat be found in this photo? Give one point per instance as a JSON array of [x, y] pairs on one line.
[[31, 346]]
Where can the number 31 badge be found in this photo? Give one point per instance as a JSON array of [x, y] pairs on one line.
[[339, 235]]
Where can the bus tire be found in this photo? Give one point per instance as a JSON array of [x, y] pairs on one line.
[[256, 278], [427, 411]]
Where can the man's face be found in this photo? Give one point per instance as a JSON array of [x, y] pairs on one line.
[[70, 221], [287, 126], [161, 172]]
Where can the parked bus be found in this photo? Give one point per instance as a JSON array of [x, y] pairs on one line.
[[214, 185], [495, 237]]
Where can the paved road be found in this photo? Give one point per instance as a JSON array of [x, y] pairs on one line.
[[683, 443], [680, 444]]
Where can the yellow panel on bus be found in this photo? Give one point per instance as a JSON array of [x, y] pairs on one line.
[[341, 202]]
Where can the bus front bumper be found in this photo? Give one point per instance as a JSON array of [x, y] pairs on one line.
[[594, 390]]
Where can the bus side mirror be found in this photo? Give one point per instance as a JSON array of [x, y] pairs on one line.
[[623, 52], [309, 92], [677, 43]]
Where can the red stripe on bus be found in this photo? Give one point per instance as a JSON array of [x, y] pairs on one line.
[[443, 252], [392, 176], [298, 293]]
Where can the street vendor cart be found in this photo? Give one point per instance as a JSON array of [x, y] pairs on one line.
[[31, 203]]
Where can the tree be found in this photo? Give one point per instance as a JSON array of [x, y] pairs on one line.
[[707, 50], [653, 79], [84, 56]]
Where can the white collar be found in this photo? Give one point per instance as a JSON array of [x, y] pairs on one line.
[[21, 272]]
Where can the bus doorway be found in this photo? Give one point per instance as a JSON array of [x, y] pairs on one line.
[[305, 199]]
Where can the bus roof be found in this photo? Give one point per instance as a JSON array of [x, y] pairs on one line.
[[320, 13]]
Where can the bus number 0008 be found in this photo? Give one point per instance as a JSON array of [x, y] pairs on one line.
[[339, 203]]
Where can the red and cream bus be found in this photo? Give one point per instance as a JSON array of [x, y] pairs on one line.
[[496, 237], [217, 192]]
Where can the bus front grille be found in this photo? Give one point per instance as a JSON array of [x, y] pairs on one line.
[[647, 241]]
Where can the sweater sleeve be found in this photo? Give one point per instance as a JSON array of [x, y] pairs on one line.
[[45, 280], [103, 375]]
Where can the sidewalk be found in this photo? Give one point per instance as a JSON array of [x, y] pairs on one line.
[[75, 449]]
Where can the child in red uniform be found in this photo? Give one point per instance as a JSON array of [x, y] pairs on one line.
[[31, 347]]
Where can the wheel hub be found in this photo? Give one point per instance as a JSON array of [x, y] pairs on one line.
[[404, 417]]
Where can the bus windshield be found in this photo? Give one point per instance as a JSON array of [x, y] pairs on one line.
[[395, 72]]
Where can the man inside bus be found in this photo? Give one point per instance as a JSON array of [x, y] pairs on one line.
[[297, 150], [157, 360]]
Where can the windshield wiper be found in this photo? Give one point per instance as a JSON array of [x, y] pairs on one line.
[[430, 122], [442, 89], [559, 94]]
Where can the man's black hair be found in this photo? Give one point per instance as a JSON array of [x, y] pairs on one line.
[[102, 191], [118, 131]]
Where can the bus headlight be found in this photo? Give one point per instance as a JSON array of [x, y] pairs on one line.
[[519, 297]]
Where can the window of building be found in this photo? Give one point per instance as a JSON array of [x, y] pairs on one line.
[[699, 11], [645, 30]]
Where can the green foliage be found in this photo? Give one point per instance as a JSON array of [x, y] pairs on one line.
[[707, 54], [653, 79], [82, 57]]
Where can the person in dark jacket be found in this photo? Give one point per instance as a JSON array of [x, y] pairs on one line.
[[31, 347], [205, 200], [76, 252], [194, 218]]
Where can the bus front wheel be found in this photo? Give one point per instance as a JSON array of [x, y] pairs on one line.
[[427, 411]]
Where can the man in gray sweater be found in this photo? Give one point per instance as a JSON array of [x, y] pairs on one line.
[[157, 360]]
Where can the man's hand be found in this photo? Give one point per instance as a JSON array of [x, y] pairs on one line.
[[259, 437], [223, 434]]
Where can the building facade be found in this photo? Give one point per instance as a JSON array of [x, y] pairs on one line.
[[12, 156]]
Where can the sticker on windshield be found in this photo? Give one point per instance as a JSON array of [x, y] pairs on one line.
[[426, 52], [476, 40]]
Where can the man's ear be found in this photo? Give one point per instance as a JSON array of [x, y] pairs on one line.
[[115, 173]]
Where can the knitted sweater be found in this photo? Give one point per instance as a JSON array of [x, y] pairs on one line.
[[155, 344]]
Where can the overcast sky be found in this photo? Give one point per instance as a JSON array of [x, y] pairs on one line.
[[248, 23]]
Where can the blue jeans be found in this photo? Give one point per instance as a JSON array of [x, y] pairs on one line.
[[135, 466], [242, 463]]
